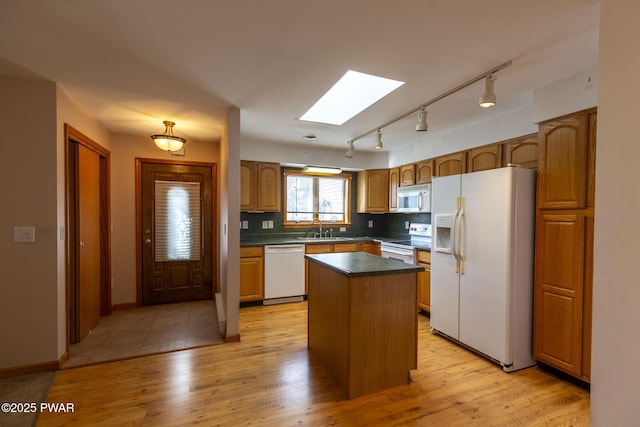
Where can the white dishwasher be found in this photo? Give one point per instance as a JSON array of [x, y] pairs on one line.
[[283, 273]]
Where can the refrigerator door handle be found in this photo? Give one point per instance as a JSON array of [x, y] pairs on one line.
[[459, 236], [454, 233]]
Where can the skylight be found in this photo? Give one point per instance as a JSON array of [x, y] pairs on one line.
[[353, 93]]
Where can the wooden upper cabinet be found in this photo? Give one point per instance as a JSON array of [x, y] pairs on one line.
[[562, 162], [394, 182], [248, 199], [521, 151], [451, 164], [407, 175], [484, 158], [373, 190], [268, 187], [424, 171], [259, 186], [591, 158]]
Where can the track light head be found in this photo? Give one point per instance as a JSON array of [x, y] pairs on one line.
[[488, 98], [378, 141], [350, 151], [422, 122]]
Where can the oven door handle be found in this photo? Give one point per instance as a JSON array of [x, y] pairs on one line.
[[396, 251]]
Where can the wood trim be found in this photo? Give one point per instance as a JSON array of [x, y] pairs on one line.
[[125, 306], [35, 368], [232, 338], [139, 161]]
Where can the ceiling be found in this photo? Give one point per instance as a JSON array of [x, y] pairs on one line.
[[133, 64]]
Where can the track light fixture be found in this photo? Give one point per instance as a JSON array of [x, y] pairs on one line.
[[378, 145], [422, 118], [422, 121], [349, 152], [168, 141], [488, 98]]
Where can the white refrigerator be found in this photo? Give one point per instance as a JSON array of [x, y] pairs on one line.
[[482, 262]]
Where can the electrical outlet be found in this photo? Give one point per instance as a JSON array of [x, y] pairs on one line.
[[343, 229], [370, 223], [270, 224], [265, 224], [406, 225], [245, 225]]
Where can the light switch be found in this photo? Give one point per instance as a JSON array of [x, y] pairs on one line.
[[265, 224], [270, 224], [370, 223], [24, 234]]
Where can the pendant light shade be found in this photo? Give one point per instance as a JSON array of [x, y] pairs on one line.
[[168, 141], [488, 99], [378, 145], [422, 122]]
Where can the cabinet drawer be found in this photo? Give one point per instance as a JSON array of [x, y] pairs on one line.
[[250, 251], [424, 256], [319, 248], [345, 247]]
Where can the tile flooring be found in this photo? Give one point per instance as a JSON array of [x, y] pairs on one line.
[[147, 330]]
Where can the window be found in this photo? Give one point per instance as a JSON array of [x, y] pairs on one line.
[[308, 197], [177, 221]]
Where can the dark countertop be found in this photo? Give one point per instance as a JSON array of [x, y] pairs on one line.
[[362, 264], [291, 240]]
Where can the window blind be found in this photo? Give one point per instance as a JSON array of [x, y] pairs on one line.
[[177, 221]]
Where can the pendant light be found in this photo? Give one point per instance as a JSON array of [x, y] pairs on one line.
[[488, 98], [378, 141], [422, 121], [168, 141]]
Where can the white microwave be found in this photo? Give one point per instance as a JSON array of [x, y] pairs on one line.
[[414, 198]]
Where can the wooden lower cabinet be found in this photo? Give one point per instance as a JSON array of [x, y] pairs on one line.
[[370, 247], [562, 292], [424, 281], [251, 273]]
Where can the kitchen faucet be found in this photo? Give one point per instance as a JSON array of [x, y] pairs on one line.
[[319, 224]]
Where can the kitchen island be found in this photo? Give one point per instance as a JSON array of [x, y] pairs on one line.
[[362, 322]]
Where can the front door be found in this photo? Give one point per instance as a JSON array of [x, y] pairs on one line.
[[176, 232]]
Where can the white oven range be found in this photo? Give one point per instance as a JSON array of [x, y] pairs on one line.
[[405, 250]]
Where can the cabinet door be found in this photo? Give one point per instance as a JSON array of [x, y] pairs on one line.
[[424, 281], [559, 290], [407, 175], [394, 182], [251, 274], [373, 190], [562, 163], [522, 152], [247, 185], [268, 194], [370, 247], [451, 164], [424, 171], [484, 158]]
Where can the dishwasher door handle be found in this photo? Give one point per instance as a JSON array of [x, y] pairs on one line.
[[283, 249]]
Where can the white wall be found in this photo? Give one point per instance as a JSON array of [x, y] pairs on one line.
[[125, 149], [312, 155], [28, 288], [615, 380]]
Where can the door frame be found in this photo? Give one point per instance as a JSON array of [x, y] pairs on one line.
[[214, 220], [71, 246]]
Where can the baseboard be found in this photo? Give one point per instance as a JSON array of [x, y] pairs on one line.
[[17, 371], [232, 338], [125, 306]]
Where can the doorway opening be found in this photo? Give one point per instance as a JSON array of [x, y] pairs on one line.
[[88, 254]]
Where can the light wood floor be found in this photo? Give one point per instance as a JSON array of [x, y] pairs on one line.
[[270, 379]]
